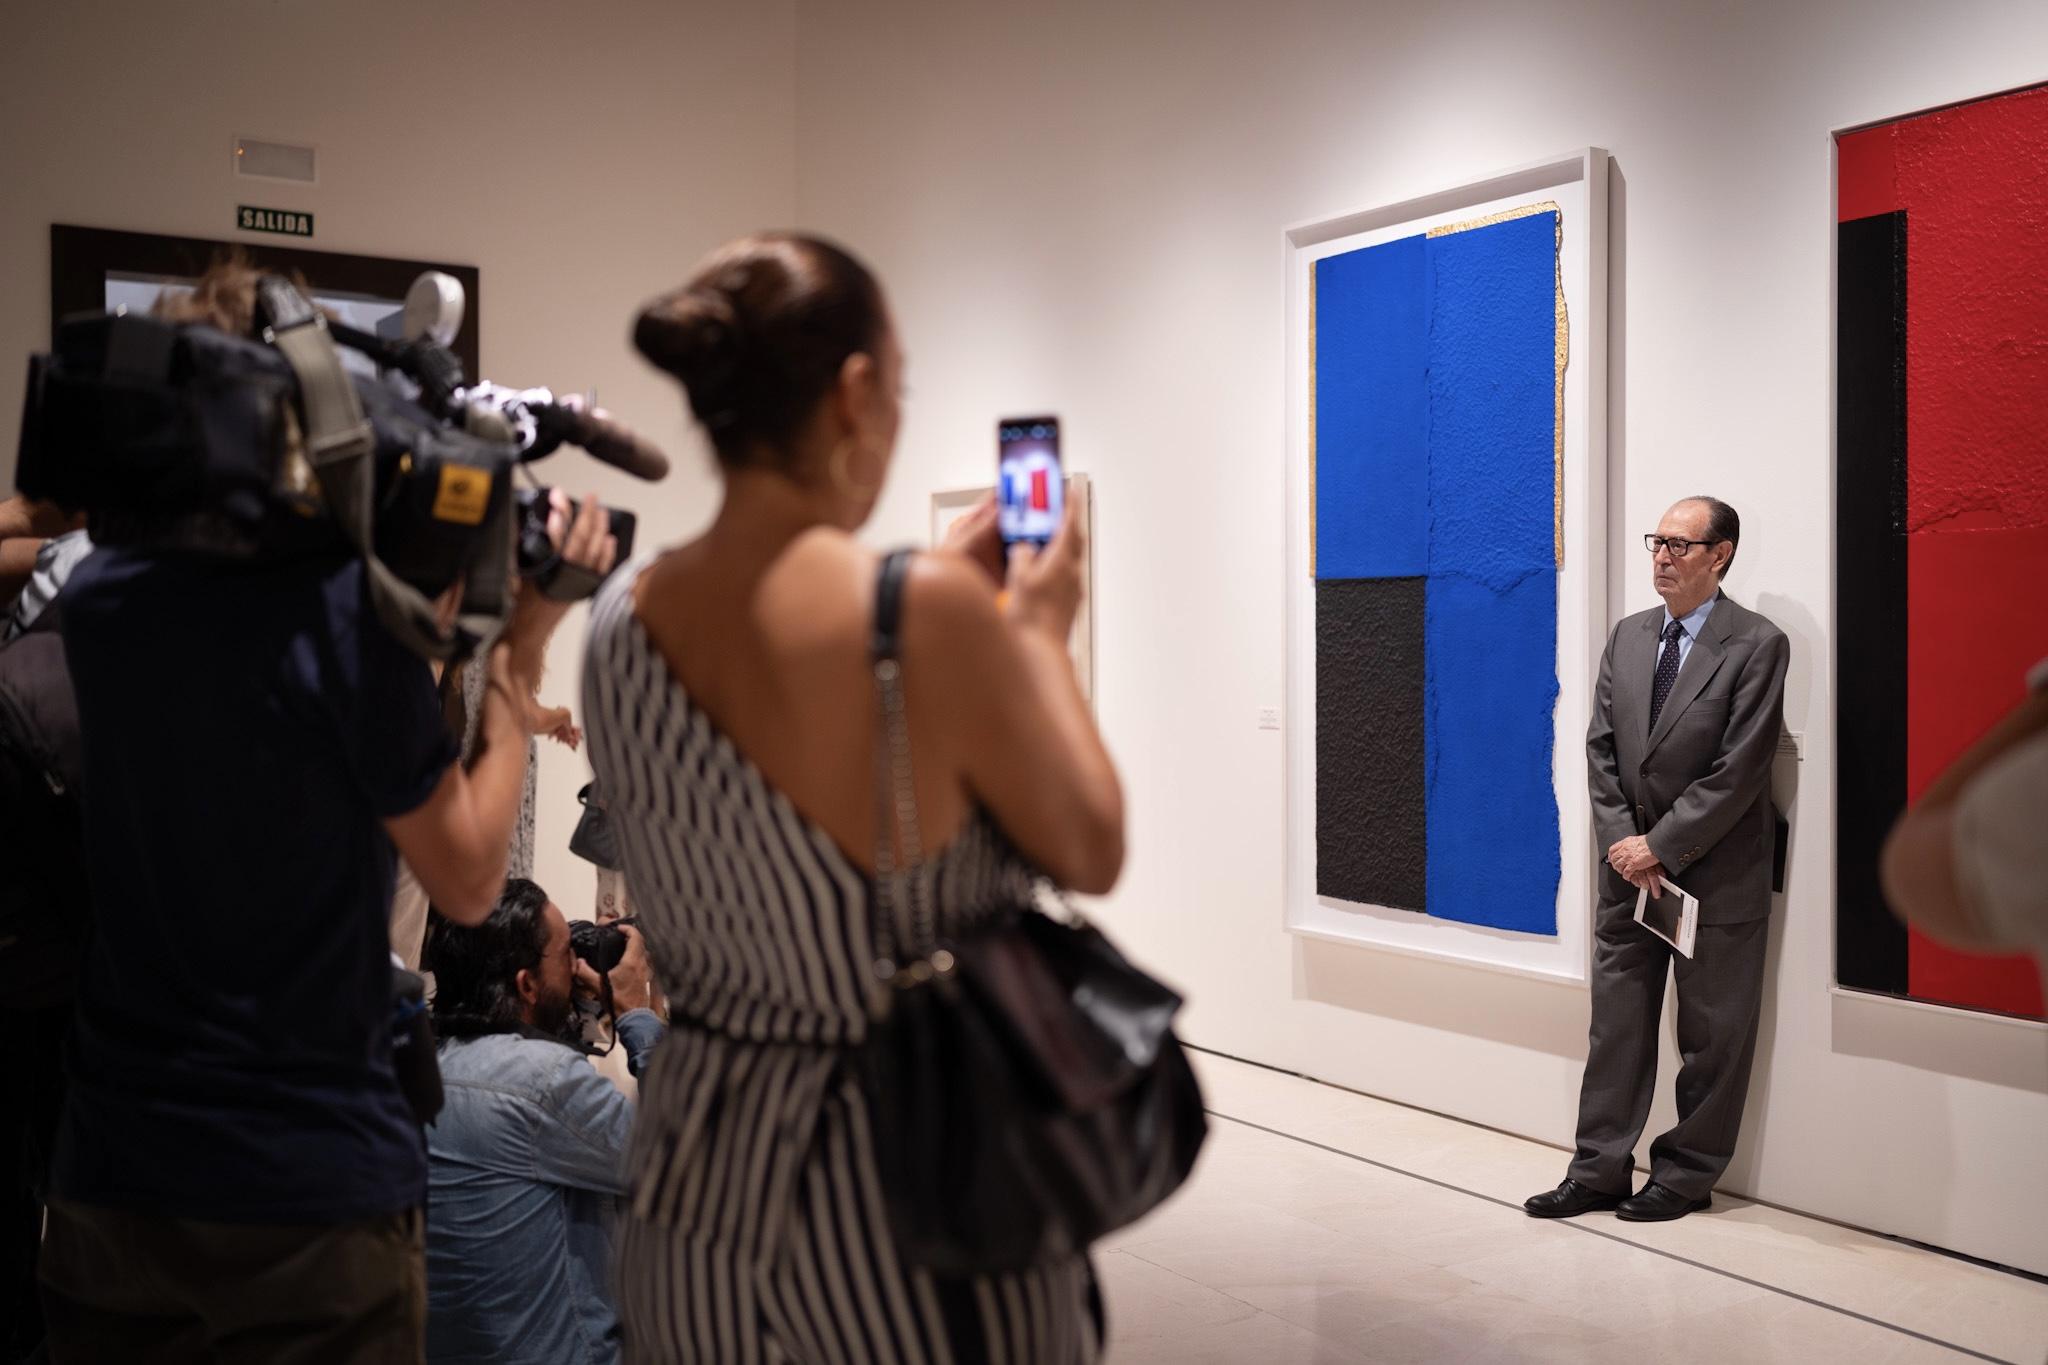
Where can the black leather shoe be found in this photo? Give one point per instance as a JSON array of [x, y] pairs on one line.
[[1659, 1205], [1568, 1200]]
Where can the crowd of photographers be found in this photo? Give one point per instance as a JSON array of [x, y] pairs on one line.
[[229, 1144], [310, 1072]]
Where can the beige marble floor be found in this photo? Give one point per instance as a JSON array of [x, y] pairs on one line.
[[1286, 1247]]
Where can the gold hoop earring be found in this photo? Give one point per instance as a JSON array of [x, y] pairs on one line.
[[840, 469]]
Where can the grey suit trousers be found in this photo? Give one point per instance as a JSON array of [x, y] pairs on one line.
[[1720, 999]]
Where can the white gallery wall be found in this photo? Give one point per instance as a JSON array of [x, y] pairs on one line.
[[1078, 207], [581, 156]]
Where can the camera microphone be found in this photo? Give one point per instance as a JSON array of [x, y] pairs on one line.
[[602, 436], [433, 308]]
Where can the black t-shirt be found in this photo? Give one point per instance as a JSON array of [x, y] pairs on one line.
[[247, 729]]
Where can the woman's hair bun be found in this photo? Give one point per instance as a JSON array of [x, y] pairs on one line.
[[758, 336], [694, 334]]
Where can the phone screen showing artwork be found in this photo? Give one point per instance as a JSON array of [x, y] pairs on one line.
[[1030, 489]]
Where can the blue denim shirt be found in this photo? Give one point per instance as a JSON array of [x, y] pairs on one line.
[[524, 1166]]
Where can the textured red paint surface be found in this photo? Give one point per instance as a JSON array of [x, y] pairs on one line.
[[1948, 977], [1866, 179], [1976, 624], [1973, 181]]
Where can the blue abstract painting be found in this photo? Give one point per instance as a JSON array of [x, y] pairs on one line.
[[1438, 379]]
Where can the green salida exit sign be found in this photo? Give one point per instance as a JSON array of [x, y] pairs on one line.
[[287, 222]]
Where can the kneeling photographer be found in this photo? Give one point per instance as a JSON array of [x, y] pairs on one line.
[[528, 1154], [238, 1174]]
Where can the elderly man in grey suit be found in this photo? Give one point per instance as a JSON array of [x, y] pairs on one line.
[[1685, 724]]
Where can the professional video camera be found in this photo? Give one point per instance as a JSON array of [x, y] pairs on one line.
[[182, 437]]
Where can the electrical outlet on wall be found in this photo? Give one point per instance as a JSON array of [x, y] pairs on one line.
[[1269, 717]]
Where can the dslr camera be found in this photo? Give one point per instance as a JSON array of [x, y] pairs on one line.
[[600, 945]]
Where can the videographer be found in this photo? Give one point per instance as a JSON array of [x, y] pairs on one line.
[[44, 926], [529, 1153], [237, 1174]]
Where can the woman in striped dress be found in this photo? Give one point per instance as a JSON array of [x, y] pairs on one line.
[[733, 721]]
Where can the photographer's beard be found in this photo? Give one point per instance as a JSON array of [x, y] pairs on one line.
[[554, 1015]]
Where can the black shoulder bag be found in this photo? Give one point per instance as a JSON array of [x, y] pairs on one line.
[[1024, 1086], [593, 840]]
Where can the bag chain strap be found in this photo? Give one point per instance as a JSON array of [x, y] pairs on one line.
[[896, 816]]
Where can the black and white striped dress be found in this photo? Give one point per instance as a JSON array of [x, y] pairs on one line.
[[756, 1231]]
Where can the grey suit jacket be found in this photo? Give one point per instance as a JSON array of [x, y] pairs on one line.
[[1699, 785]]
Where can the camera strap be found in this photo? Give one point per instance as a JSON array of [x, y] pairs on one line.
[[339, 444]]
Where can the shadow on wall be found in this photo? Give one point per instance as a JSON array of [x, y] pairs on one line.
[[1618, 558], [1809, 643], [1478, 1002], [1742, 1167], [1805, 636]]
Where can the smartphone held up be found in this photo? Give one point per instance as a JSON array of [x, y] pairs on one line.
[[1030, 488]]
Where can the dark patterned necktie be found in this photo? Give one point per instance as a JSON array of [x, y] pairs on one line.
[[1667, 670]]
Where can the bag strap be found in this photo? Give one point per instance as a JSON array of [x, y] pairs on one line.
[[339, 444], [896, 798], [887, 641]]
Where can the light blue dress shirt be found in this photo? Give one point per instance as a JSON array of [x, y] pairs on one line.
[[525, 1167], [1688, 631]]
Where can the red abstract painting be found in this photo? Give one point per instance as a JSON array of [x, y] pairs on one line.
[[1941, 492]]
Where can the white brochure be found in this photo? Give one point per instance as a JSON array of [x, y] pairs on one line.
[[1673, 917]]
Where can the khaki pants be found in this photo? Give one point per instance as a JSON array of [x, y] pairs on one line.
[[124, 1286]]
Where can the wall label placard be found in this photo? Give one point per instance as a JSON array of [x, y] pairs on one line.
[[285, 222]]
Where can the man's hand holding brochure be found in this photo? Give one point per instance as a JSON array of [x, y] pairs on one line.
[[1673, 916]]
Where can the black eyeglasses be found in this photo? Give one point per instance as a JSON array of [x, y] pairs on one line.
[[1679, 546]]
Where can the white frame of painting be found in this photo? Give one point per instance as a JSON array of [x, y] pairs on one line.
[[1578, 184], [949, 504]]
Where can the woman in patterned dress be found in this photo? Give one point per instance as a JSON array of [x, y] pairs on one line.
[[732, 719]]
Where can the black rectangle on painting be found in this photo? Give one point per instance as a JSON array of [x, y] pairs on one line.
[[1870, 592], [1371, 815]]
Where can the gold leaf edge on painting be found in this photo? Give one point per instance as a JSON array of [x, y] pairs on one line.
[[1312, 472]]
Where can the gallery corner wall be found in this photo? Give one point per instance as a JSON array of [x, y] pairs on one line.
[[582, 161], [1079, 209]]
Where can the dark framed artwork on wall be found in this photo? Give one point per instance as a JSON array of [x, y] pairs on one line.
[[101, 270], [1941, 495]]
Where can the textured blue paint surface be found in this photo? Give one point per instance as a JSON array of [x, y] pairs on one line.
[[1372, 412], [1491, 619], [1435, 407], [1492, 400], [1492, 809]]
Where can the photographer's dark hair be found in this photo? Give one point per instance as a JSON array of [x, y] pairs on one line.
[[758, 337], [1722, 524], [476, 968]]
